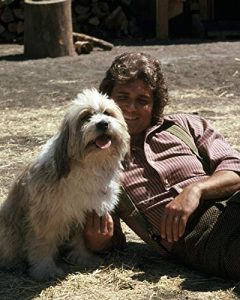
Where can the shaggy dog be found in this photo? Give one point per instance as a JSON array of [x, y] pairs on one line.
[[77, 171]]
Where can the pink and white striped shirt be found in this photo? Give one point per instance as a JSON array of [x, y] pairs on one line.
[[165, 164]]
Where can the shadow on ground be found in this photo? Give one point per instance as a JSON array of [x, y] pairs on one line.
[[148, 266]]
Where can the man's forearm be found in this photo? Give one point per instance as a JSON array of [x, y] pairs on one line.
[[219, 185]]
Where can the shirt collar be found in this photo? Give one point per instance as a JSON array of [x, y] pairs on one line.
[[151, 129]]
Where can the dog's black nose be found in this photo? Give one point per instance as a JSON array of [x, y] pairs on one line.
[[102, 125]]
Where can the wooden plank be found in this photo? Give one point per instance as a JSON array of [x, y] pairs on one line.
[[212, 9], [175, 8], [162, 19], [206, 9]]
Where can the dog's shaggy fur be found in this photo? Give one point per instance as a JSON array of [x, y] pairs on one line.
[[77, 171]]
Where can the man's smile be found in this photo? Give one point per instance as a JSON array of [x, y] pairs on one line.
[[130, 118]]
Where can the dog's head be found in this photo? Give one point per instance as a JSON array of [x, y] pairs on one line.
[[94, 128]]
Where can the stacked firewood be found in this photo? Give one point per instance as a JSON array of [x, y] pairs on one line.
[[99, 18], [11, 20], [104, 19]]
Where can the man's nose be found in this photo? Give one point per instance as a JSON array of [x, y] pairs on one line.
[[131, 106]]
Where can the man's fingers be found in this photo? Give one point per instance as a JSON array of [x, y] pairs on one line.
[[107, 224], [176, 220], [166, 227], [169, 228], [103, 224], [172, 227], [99, 225], [182, 226], [163, 226], [110, 224]]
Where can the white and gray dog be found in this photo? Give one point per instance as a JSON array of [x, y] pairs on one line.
[[77, 171]]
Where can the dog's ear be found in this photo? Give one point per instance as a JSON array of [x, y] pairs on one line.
[[61, 157]]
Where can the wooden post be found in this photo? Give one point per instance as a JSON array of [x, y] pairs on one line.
[[162, 19], [48, 28]]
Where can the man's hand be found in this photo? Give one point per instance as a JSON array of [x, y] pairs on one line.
[[98, 231], [219, 185], [177, 212]]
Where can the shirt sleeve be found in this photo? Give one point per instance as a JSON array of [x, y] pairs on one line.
[[211, 144]]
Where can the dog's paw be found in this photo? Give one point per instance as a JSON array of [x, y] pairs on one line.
[[45, 271], [88, 260]]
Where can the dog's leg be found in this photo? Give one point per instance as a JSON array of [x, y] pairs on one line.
[[79, 254], [11, 238], [11, 245], [11, 227], [41, 254]]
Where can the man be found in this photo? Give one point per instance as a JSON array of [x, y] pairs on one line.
[[182, 199]]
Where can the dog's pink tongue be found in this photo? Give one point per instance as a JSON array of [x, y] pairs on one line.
[[103, 142]]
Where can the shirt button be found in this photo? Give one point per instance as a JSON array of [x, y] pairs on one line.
[[167, 184]]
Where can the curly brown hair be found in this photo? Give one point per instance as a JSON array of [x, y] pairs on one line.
[[131, 66]]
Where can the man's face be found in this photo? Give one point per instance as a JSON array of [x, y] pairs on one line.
[[135, 99]]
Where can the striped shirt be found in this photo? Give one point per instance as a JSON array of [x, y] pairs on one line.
[[165, 165]]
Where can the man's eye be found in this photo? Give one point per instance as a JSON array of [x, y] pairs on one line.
[[122, 98], [143, 102]]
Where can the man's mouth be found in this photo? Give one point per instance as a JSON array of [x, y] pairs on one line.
[[103, 141], [130, 118]]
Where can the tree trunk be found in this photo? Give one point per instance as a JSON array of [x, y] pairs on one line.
[[48, 28]]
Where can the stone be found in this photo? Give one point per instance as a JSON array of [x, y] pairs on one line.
[[7, 15], [94, 21]]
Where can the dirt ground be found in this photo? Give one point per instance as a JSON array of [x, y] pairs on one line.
[[202, 77]]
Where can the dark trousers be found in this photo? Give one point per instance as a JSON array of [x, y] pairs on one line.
[[212, 241]]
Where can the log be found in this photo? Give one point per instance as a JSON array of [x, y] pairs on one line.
[[48, 28], [95, 41], [83, 47]]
